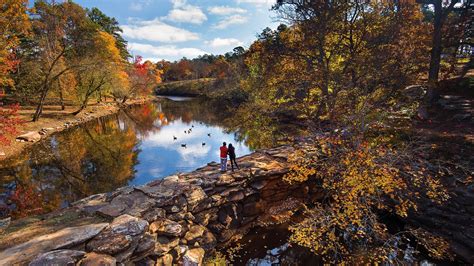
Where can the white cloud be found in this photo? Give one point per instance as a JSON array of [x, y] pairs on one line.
[[156, 30], [232, 20], [156, 53], [225, 10], [220, 42], [258, 2], [138, 5], [182, 12]]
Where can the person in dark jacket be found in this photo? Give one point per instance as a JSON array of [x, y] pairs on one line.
[[231, 152]]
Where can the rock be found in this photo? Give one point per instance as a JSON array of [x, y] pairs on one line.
[[194, 196], [2, 153], [193, 257], [135, 204], [64, 238], [58, 257], [164, 245], [145, 262], [259, 184], [206, 216], [166, 227], [154, 214], [236, 196], [195, 232], [146, 244], [166, 260], [95, 259], [31, 136], [208, 240], [119, 236], [225, 179]]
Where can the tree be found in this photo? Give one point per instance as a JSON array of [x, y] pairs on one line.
[[61, 32], [142, 76], [103, 63], [334, 56], [14, 24], [111, 26]]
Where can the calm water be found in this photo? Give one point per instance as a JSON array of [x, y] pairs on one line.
[[129, 148]]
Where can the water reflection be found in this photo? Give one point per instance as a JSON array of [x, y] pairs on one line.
[[129, 148]]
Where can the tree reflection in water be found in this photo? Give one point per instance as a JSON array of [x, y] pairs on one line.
[[91, 159], [120, 150]]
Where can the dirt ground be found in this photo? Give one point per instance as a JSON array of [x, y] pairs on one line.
[[56, 120]]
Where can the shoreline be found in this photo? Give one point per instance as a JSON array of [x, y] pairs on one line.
[[63, 120]]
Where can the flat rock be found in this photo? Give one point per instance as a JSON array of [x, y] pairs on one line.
[[135, 204], [225, 179], [193, 257], [166, 227], [166, 260], [95, 259], [118, 236], [64, 238], [195, 232], [194, 196], [164, 245], [58, 257], [31, 136], [154, 214]]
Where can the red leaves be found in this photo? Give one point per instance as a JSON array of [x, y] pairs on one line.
[[8, 121], [141, 69]]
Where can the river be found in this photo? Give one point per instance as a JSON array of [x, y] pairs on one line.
[[132, 147]]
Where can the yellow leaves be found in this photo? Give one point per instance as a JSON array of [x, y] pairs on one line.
[[107, 47], [358, 179]]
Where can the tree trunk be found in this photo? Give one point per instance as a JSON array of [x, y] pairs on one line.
[[83, 104], [436, 50], [39, 108], [61, 98]]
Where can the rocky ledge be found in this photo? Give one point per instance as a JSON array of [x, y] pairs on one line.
[[174, 220]]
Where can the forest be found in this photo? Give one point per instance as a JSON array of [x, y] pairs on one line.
[[367, 82]]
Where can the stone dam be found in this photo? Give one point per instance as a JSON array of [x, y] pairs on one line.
[[175, 220]]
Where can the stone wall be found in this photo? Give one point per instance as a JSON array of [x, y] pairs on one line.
[[174, 220]]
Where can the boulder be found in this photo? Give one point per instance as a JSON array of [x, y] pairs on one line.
[[208, 241], [95, 259], [166, 260], [195, 232], [164, 245], [236, 196], [31, 136], [58, 257], [154, 214], [225, 179], [135, 204], [145, 245], [64, 238], [119, 236], [166, 227], [193, 257], [194, 196]]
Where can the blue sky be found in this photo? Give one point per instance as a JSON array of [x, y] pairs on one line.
[[172, 29]]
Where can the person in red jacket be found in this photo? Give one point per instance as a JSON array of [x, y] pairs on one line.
[[224, 157]]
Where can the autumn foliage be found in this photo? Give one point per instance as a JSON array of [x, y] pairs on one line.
[[363, 179]]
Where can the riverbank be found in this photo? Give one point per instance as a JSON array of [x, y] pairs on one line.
[[188, 88], [56, 120], [174, 220]]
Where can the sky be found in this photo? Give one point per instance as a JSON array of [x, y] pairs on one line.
[[172, 29]]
